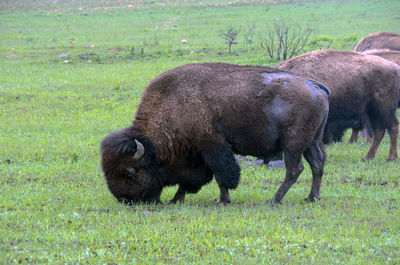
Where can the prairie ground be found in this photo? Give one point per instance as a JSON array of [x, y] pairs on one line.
[[72, 71]]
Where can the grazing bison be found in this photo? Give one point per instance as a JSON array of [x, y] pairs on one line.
[[393, 56], [192, 119], [363, 87], [379, 40]]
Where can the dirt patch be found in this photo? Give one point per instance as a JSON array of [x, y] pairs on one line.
[[13, 56]]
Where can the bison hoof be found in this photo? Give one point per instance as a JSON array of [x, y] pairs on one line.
[[172, 201], [390, 159], [158, 202], [272, 202], [365, 159], [312, 198], [223, 203]]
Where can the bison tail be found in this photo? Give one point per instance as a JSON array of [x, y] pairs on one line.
[[322, 87], [320, 131], [366, 123]]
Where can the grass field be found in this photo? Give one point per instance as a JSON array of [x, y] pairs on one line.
[[72, 71]]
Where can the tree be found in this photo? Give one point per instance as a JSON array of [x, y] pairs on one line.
[[229, 35]]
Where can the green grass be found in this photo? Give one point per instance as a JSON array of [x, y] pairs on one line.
[[55, 207]]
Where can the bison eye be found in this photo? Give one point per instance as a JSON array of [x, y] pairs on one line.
[[130, 172]]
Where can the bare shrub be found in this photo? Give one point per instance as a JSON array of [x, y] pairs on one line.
[[229, 35], [248, 34], [283, 41]]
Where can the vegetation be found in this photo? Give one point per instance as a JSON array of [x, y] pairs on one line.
[[229, 36], [283, 41], [72, 71]]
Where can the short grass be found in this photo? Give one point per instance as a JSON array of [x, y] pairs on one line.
[[72, 71]]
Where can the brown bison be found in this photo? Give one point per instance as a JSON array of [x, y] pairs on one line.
[[363, 87], [393, 56], [390, 55], [192, 119], [379, 40]]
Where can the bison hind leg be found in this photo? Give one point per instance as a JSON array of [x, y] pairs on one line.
[[316, 160], [294, 167], [393, 133], [379, 132]]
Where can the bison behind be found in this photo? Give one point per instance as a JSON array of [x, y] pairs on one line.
[[364, 88]]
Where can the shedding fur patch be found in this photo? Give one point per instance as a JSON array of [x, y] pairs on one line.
[[278, 110], [269, 77]]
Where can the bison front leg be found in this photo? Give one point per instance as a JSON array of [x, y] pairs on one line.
[[179, 195], [224, 197], [365, 123], [294, 167], [221, 161], [354, 136]]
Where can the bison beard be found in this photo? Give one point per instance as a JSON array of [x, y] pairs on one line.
[[194, 118]]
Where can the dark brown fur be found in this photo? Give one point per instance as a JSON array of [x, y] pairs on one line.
[[390, 55], [393, 56], [193, 118], [379, 40], [360, 85]]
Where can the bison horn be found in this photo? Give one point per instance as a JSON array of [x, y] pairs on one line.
[[139, 150]]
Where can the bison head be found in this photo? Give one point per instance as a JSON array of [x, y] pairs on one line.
[[128, 161]]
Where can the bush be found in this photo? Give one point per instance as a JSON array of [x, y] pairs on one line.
[[283, 41], [229, 35]]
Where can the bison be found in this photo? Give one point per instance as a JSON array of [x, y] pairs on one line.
[[393, 56], [390, 55], [379, 40], [363, 87], [193, 118]]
